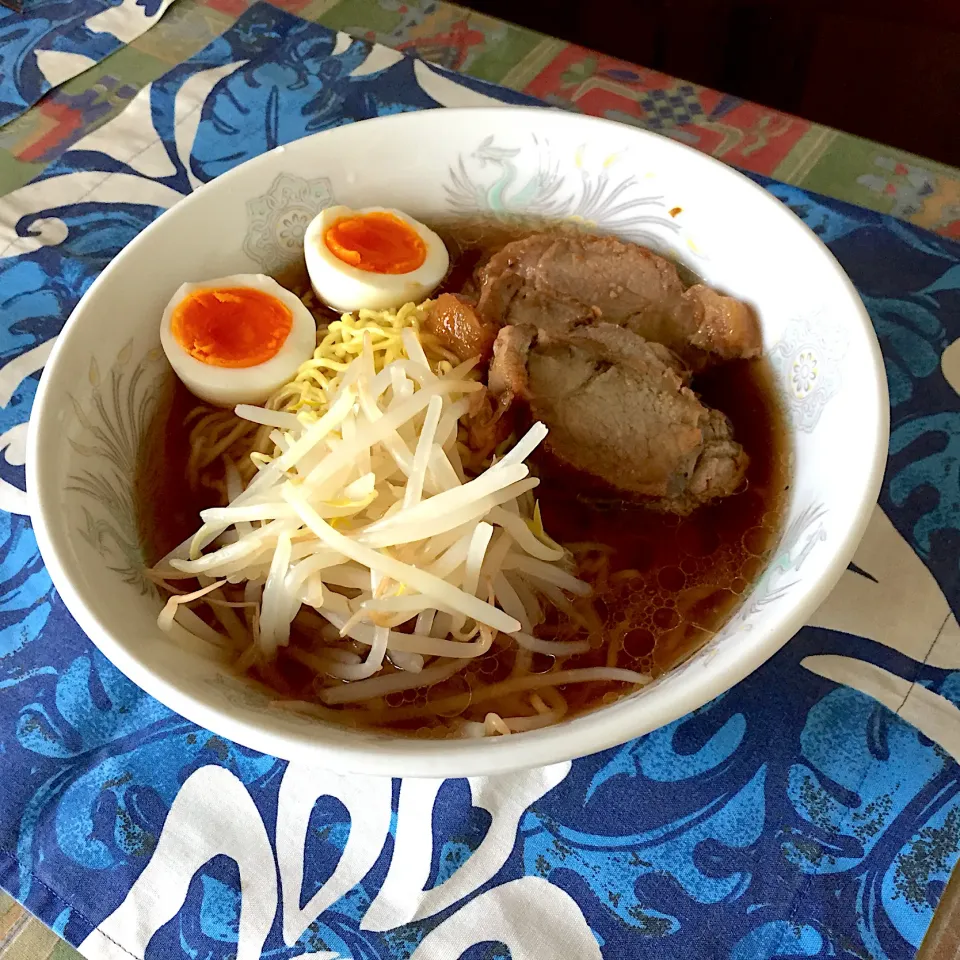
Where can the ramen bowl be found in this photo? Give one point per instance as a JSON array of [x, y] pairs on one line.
[[107, 371]]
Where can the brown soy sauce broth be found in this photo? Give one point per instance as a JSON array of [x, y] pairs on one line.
[[168, 509], [663, 585]]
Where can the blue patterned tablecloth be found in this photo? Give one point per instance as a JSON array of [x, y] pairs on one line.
[[812, 811], [52, 41]]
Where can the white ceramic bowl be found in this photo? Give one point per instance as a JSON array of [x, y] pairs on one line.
[[437, 164]]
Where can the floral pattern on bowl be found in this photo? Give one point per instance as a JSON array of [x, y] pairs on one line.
[[808, 358], [603, 198], [109, 428], [277, 220]]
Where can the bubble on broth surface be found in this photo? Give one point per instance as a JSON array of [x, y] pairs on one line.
[[542, 662], [458, 687], [638, 643], [755, 540], [665, 618], [671, 579]]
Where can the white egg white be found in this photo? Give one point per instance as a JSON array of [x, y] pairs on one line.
[[346, 288], [228, 386]]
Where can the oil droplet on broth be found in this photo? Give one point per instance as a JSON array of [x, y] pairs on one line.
[[457, 690], [638, 643], [542, 662]]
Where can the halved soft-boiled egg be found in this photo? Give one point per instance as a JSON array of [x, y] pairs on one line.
[[236, 339], [374, 258]]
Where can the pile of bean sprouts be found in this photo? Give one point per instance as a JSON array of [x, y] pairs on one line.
[[353, 516]]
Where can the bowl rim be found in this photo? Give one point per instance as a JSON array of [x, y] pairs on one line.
[[400, 756]]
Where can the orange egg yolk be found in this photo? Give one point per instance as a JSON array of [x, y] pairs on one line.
[[376, 242], [231, 326]]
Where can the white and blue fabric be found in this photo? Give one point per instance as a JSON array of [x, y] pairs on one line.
[[812, 811], [52, 41]]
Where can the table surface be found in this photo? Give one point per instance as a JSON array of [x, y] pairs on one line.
[[739, 132]]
